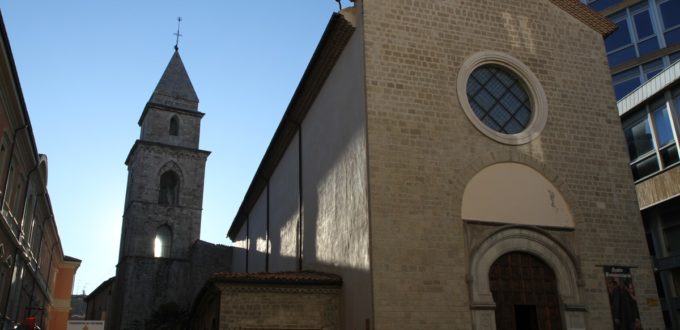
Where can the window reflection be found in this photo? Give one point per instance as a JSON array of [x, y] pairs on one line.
[[651, 138], [620, 37], [637, 35], [670, 8], [162, 242], [626, 81], [662, 123], [639, 138]]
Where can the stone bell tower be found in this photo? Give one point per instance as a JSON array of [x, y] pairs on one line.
[[162, 216]]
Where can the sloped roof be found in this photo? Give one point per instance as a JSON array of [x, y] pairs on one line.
[[99, 288], [72, 259], [337, 34], [175, 85], [586, 15]]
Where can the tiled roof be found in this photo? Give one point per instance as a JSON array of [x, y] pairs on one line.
[[586, 15], [288, 278]]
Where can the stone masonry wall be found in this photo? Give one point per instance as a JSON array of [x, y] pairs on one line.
[[156, 125], [422, 149], [143, 284], [244, 307]]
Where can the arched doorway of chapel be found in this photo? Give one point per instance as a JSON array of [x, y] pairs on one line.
[[525, 293]]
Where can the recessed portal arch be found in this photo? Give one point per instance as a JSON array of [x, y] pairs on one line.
[[527, 240]]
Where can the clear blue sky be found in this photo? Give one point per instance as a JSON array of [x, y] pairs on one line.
[[87, 68]]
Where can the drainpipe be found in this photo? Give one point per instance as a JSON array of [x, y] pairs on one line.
[[28, 183]]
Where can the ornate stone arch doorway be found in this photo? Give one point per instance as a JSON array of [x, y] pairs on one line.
[[524, 242]]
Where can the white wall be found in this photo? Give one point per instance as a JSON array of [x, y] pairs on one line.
[[284, 208], [335, 203], [238, 261], [334, 215], [257, 234]]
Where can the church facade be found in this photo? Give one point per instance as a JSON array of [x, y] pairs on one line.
[[459, 164]]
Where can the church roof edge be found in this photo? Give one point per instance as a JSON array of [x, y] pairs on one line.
[[337, 34]]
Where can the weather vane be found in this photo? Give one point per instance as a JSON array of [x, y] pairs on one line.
[[179, 21], [339, 3]]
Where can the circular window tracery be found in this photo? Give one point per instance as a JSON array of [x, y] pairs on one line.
[[502, 98], [498, 99]]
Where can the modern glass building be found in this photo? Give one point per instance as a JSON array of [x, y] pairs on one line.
[[646, 42], [643, 57]]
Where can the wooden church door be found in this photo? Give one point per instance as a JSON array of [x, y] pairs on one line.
[[525, 291]]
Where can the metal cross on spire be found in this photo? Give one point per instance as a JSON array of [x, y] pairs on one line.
[[179, 21]]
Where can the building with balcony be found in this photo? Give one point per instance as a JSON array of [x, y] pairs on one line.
[[650, 117]]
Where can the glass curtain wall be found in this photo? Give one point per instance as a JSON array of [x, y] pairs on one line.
[[647, 40]]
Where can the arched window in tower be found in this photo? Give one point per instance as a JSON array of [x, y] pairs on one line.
[[169, 189], [162, 242], [174, 126]]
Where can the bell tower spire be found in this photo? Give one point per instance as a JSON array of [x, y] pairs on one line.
[[163, 203], [174, 89]]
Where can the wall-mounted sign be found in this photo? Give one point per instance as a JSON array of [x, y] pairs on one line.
[[622, 300], [85, 325]]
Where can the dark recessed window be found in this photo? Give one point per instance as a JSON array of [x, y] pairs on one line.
[[169, 189], [499, 99], [174, 126]]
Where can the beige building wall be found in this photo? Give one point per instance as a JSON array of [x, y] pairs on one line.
[[284, 215], [257, 235], [335, 206], [423, 150], [329, 149], [249, 307], [519, 195], [238, 262]]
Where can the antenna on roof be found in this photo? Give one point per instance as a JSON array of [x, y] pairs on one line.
[[339, 3], [179, 21]]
